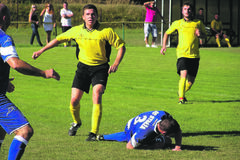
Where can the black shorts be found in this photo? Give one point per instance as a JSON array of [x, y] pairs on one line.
[[65, 28], [86, 75], [189, 64]]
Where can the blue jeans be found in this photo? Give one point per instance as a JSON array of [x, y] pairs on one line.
[[35, 33]]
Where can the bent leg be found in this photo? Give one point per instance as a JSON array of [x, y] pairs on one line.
[[20, 142]]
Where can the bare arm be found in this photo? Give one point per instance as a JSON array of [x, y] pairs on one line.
[[148, 3], [27, 69], [129, 145], [42, 13], [114, 67], [178, 141], [164, 49], [50, 45]]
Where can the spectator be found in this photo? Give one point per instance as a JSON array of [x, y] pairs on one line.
[[150, 23], [48, 20], [217, 30], [33, 19], [200, 16], [66, 16]]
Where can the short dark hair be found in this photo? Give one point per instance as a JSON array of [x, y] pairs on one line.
[[90, 6], [66, 3], [187, 3], [169, 125]]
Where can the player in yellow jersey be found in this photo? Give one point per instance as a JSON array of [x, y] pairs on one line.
[[189, 32], [217, 31], [95, 44]]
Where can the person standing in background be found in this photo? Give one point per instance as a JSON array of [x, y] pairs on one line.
[[48, 20], [33, 19], [66, 16], [149, 24], [200, 16]]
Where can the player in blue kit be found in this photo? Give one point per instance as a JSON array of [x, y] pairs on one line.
[[146, 129], [11, 118]]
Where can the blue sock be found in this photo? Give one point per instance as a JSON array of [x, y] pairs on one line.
[[120, 136], [17, 148]]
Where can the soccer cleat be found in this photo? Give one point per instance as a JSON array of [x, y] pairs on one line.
[[100, 137], [185, 99], [73, 129], [147, 45], [92, 137], [181, 101], [154, 46]]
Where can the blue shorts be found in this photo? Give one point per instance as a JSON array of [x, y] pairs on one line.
[[150, 28], [11, 118]]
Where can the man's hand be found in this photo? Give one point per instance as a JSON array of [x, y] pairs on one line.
[[177, 148], [197, 32], [10, 86], [36, 54], [129, 145], [112, 68], [163, 50], [51, 73]]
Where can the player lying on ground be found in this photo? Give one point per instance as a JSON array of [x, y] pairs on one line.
[[148, 130]]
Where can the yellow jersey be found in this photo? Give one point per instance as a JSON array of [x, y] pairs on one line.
[[188, 42], [217, 25], [92, 43]]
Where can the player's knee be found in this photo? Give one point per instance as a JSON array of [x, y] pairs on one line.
[[26, 132]]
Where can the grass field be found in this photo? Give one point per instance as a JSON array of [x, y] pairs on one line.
[[145, 81]]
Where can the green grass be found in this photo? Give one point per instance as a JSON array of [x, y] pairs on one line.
[[145, 81]]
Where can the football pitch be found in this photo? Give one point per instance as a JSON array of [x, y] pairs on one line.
[[145, 81]]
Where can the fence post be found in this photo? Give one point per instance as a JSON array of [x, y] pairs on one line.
[[123, 31]]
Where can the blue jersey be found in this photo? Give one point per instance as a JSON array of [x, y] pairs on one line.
[[7, 50], [143, 128]]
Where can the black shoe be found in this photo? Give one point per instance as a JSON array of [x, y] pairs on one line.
[[185, 99], [182, 101], [92, 137], [100, 138], [73, 129]]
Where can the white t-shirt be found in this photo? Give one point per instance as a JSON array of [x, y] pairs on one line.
[[65, 21]]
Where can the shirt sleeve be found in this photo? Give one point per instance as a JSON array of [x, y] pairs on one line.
[[67, 36], [115, 40], [172, 28], [7, 48]]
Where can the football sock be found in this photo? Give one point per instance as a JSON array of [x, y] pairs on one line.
[[181, 89], [75, 112], [17, 148], [188, 86], [120, 136], [228, 42], [218, 42], [96, 117]]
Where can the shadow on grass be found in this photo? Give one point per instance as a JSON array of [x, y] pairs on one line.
[[213, 101], [199, 148], [215, 134]]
